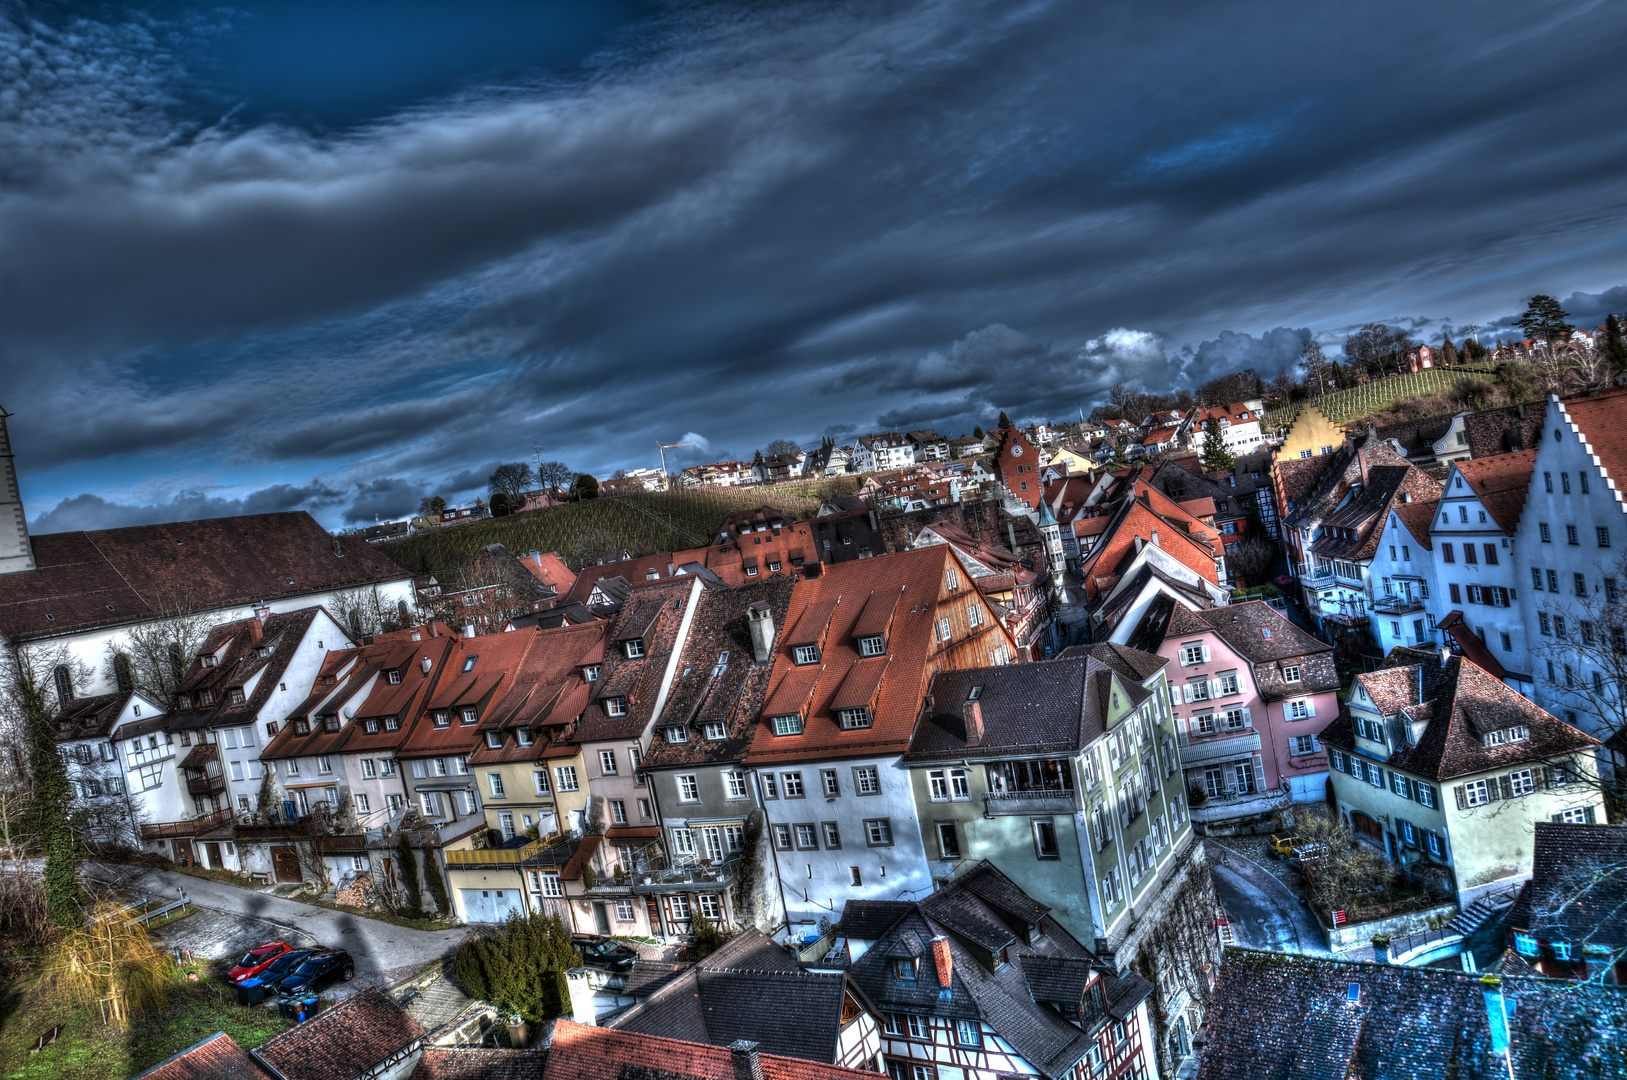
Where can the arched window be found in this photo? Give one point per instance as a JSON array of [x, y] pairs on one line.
[[401, 606], [64, 684], [123, 674]]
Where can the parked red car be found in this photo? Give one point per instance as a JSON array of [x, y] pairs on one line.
[[257, 960]]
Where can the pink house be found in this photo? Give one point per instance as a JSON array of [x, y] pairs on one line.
[[1250, 691]]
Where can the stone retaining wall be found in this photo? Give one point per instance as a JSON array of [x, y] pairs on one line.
[[1353, 936]]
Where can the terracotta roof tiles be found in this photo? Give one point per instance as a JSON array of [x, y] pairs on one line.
[[580, 1052], [345, 1042]]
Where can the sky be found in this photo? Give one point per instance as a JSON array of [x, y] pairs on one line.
[[339, 255]]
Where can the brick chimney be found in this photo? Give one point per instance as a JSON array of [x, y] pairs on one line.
[[972, 712], [256, 631], [945, 963], [747, 1064]]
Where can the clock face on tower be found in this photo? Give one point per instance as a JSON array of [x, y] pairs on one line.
[[1016, 451]]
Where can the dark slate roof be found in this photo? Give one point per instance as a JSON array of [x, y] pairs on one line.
[[474, 1063], [580, 1052], [90, 717], [746, 990], [1286, 1016], [1465, 701], [867, 920], [705, 691], [658, 610], [352, 1037], [1133, 664], [113, 577], [648, 975], [1244, 628], [241, 659], [1055, 707], [1505, 430], [574, 614], [1149, 633], [1578, 886], [1353, 530], [216, 1058], [978, 913]]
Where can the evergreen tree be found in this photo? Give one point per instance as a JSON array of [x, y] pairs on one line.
[[1005, 421], [52, 795], [407, 864], [587, 487], [1614, 345], [521, 966], [1216, 458], [436, 883], [1449, 353], [1544, 318], [977, 433]]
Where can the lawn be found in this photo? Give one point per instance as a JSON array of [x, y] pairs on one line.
[[89, 1050]]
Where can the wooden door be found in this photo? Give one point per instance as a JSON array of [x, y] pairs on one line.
[[1367, 826], [183, 850], [285, 860], [212, 849]]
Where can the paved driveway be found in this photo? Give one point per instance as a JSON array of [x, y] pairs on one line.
[[1263, 913], [234, 919]]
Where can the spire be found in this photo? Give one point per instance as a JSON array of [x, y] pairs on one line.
[[16, 553]]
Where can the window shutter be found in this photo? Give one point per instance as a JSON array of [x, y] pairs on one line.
[[1559, 819], [1259, 773], [1507, 785], [1539, 778], [1493, 792], [1214, 688], [1205, 654], [1547, 776], [1310, 707], [1463, 800], [1590, 816], [1187, 690], [1247, 719], [1174, 695]]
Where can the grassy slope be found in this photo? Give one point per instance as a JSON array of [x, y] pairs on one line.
[[89, 1050], [652, 521], [1345, 406]]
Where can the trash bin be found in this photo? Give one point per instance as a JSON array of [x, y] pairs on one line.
[[251, 992], [304, 1009], [285, 1008]]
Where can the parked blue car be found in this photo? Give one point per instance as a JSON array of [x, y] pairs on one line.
[[317, 971]]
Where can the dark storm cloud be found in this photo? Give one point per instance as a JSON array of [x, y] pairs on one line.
[[94, 512], [776, 222], [384, 499]]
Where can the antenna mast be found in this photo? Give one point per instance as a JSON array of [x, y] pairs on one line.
[[664, 447]]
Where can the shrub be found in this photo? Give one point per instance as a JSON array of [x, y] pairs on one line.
[[409, 873], [709, 937], [436, 883], [520, 967]]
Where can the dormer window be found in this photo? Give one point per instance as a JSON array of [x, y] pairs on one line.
[[330, 723], [371, 727], [615, 706], [590, 673], [1518, 733], [235, 695], [874, 645], [523, 736], [302, 727], [853, 719], [206, 698], [494, 740], [633, 649], [1291, 673], [469, 664], [442, 718], [790, 724], [904, 970], [805, 654], [468, 716], [395, 678], [208, 660], [716, 730], [392, 723], [184, 701], [677, 734]]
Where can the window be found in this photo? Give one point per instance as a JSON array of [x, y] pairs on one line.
[[1290, 673], [683, 841], [1198, 690], [1398, 784], [566, 776], [618, 812], [1521, 782], [1604, 536], [1536, 579], [442, 718], [607, 762], [633, 649], [590, 673], [324, 763], [624, 911], [968, 1033], [1579, 582], [1474, 793], [874, 645], [734, 835], [1446, 553], [615, 706], [430, 804], [853, 719], [770, 788], [1544, 623], [392, 723], [1491, 554], [833, 835], [1299, 709], [829, 784], [1228, 683], [805, 654], [1425, 794], [1303, 744], [1559, 627], [1468, 554], [715, 730], [792, 782], [787, 725], [782, 837], [948, 840], [807, 838], [735, 784], [539, 781], [494, 740], [1045, 846], [944, 632], [1548, 482], [1191, 654], [878, 832], [1542, 531], [495, 781], [689, 789], [866, 780], [1570, 535]]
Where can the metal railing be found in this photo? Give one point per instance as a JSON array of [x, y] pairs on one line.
[[1397, 605]]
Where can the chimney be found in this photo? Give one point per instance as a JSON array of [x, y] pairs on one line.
[[747, 1064], [1381, 948], [427, 664], [1155, 538], [582, 1008], [760, 622], [262, 612], [536, 556], [469, 629], [972, 713], [367, 639], [945, 964], [256, 631], [1446, 654]]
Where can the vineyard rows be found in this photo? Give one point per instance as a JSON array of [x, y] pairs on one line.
[[1345, 406], [640, 521]]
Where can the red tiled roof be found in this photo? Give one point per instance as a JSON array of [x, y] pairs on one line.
[[349, 1039], [216, 1058], [1602, 420], [580, 1052], [214, 563], [474, 1063], [1501, 483]]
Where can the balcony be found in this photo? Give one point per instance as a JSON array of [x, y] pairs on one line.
[[1397, 605], [1205, 748], [1051, 801], [1353, 620], [198, 826], [206, 785]]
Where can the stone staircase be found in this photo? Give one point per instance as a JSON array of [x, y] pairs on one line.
[[1478, 914]]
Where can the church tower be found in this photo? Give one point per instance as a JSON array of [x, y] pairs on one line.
[[16, 553]]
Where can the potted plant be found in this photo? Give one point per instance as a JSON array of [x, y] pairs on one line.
[[1196, 795]]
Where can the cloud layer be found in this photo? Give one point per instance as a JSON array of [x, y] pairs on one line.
[[763, 222]]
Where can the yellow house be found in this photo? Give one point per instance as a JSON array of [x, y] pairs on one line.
[[1076, 460], [1310, 435]]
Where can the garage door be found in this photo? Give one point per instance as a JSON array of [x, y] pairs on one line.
[[490, 905]]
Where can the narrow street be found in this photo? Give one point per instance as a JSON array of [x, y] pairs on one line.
[[1264, 914]]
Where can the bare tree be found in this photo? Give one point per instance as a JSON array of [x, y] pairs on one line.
[[555, 475], [513, 480], [1586, 644], [1344, 874], [1318, 370], [1583, 907], [782, 446], [159, 651], [363, 612], [1253, 558]]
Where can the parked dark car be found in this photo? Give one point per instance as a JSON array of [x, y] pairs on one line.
[[280, 968], [604, 953], [316, 971], [257, 960]]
